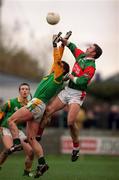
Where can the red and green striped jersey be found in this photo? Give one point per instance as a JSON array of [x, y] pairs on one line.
[[83, 69], [7, 110]]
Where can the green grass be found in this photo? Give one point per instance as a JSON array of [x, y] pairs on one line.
[[61, 168]]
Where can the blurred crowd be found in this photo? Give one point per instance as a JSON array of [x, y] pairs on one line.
[[99, 116], [103, 116]]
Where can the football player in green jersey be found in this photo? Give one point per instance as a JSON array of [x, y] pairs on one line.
[[74, 94], [33, 112], [6, 111]]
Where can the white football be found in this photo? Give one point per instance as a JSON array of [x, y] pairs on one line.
[[53, 18]]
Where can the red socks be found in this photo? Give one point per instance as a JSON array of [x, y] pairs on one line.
[[75, 145]]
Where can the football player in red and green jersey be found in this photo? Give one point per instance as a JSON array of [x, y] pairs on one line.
[[33, 112], [73, 95], [6, 111]]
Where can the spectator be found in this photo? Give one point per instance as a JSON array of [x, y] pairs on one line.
[[113, 118], [90, 120]]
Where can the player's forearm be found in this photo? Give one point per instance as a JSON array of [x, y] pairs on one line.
[[75, 51], [79, 80], [71, 47]]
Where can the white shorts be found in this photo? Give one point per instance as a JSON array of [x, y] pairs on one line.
[[69, 96], [37, 107], [6, 132]]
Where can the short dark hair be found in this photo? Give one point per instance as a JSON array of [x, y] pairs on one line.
[[66, 67], [24, 84], [98, 51]]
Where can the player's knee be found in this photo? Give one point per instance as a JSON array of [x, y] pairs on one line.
[[70, 123], [49, 111], [31, 140]]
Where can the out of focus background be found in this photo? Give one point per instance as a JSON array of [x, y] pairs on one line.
[[26, 56]]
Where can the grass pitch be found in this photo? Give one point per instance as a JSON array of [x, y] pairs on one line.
[[61, 168]]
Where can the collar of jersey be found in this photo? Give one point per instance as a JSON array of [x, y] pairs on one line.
[[19, 100]]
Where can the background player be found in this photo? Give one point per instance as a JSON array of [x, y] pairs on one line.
[[7, 110]]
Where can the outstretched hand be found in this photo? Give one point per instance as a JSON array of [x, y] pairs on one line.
[[64, 41]]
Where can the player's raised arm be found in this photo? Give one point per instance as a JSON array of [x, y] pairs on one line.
[[60, 65], [56, 53], [73, 48], [75, 51]]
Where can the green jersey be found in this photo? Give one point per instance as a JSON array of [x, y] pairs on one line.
[[53, 83], [48, 87], [7, 110]]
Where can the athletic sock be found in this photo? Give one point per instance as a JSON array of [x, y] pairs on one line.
[[41, 160], [76, 145], [16, 141]]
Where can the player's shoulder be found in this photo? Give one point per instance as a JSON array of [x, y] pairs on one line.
[[90, 63], [13, 101]]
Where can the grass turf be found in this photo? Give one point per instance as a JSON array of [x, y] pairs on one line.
[[61, 168]]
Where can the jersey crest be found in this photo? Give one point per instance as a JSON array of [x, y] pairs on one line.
[[77, 69]]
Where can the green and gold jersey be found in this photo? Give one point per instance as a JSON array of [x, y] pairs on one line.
[[7, 110], [48, 87], [53, 83]]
